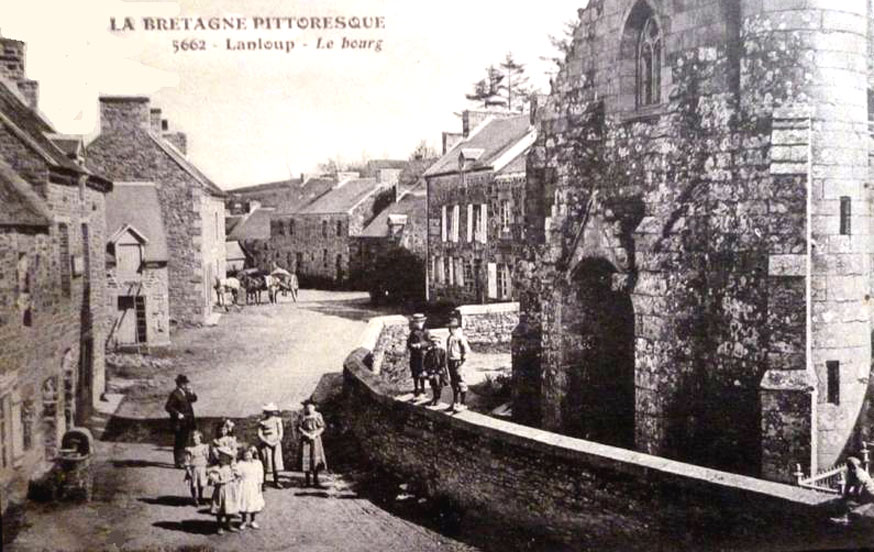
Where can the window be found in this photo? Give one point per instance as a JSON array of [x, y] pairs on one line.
[[298, 261], [833, 385], [845, 216], [280, 228], [339, 228], [456, 212], [27, 418], [482, 223], [506, 215], [324, 229], [459, 272], [441, 274], [447, 261], [291, 227], [443, 223], [649, 64], [25, 304], [338, 269], [325, 258], [470, 222], [467, 271], [476, 220], [86, 253], [64, 258], [504, 282], [5, 432]]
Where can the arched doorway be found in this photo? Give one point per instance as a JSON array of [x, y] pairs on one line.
[[598, 355]]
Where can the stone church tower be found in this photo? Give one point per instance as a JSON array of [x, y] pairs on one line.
[[699, 221]]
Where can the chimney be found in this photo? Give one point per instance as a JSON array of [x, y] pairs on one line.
[[124, 114], [155, 120], [179, 140], [450, 139], [12, 56]]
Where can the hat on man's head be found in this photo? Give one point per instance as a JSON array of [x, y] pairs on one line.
[[419, 317], [181, 378], [269, 407], [454, 323]]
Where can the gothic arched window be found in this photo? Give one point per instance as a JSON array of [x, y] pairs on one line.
[[649, 64]]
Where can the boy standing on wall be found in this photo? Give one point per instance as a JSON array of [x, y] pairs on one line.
[[457, 349]]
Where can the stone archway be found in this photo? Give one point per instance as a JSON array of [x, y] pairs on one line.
[[597, 355]]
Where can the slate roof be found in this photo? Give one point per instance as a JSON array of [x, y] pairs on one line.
[[72, 146], [33, 130], [254, 226], [20, 205], [411, 204], [343, 197], [233, 251], [515, 166], [266, 187], [495, 138], [137, 205]]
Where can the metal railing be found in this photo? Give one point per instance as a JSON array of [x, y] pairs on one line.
[[832, 480]]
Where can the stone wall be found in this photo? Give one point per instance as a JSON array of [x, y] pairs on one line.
[[151, 283], [319, 251], [489, 324], [502, 246], [688, 217], [124, 151], [589, 494]]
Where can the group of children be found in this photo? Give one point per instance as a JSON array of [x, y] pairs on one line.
[[238, 479], [432, 362]]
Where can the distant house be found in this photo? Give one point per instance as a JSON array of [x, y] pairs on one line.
[[135, 146], [250, 237], [52, 283], [235, 256], [137, 257], [316, 239], [401, 224], [476, 202]]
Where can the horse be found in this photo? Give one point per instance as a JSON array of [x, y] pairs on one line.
[[254, 285], [224, 286]]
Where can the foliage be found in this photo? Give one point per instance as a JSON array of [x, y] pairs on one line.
[[396, 276], [562, 45], [505, 86], [423, 151]]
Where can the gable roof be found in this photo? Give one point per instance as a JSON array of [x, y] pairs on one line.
[[343, 197], [187, 166], [135, 205], [488, 145], [234, 252], [20, 205], [516, 166], [253, 226], [412, 205]]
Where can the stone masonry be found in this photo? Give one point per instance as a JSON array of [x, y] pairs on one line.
[[698, 212], [130, 148]]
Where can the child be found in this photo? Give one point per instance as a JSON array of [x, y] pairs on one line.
[[270, 434], [251, 496], [311, 427], [435, 367], [224, 437], [457, 349], [225, 496], [417, 343], [196, 460]]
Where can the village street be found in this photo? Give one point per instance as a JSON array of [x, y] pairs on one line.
[[254, 355]]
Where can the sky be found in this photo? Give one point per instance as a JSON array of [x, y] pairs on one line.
[[260, 116]]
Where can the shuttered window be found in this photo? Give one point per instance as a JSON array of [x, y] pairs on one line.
[[493, 280]]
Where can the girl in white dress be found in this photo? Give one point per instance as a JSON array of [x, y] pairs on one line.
[[251, 496]]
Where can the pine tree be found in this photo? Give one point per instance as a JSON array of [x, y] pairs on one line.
[[504, 87]]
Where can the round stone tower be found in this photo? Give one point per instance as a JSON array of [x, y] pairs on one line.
[[804, 75]]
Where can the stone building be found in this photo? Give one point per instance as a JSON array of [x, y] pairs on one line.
[[698, 214], [52, 285], [134, 146], [316, 239], [251, 234], [136, 259], [476, 201], [401, 224]]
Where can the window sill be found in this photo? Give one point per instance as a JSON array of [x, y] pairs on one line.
[[645, 114]]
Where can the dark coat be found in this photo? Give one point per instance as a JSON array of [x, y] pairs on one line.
[[179, 402], [417, 343]]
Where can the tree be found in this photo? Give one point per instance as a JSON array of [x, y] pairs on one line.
[[505, 86], [423, 151], [562, 45]]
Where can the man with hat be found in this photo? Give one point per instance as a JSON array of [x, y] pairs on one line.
[[457, 349], [182, 420], [418, 343]]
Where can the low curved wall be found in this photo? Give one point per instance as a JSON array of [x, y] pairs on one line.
[[573, 489]]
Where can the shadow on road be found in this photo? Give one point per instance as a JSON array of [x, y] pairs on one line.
[[351, 309], [142, 464], [192, 526], [167, 500]]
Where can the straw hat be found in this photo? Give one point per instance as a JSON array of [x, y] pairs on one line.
[[419, 317], [269, 407]]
